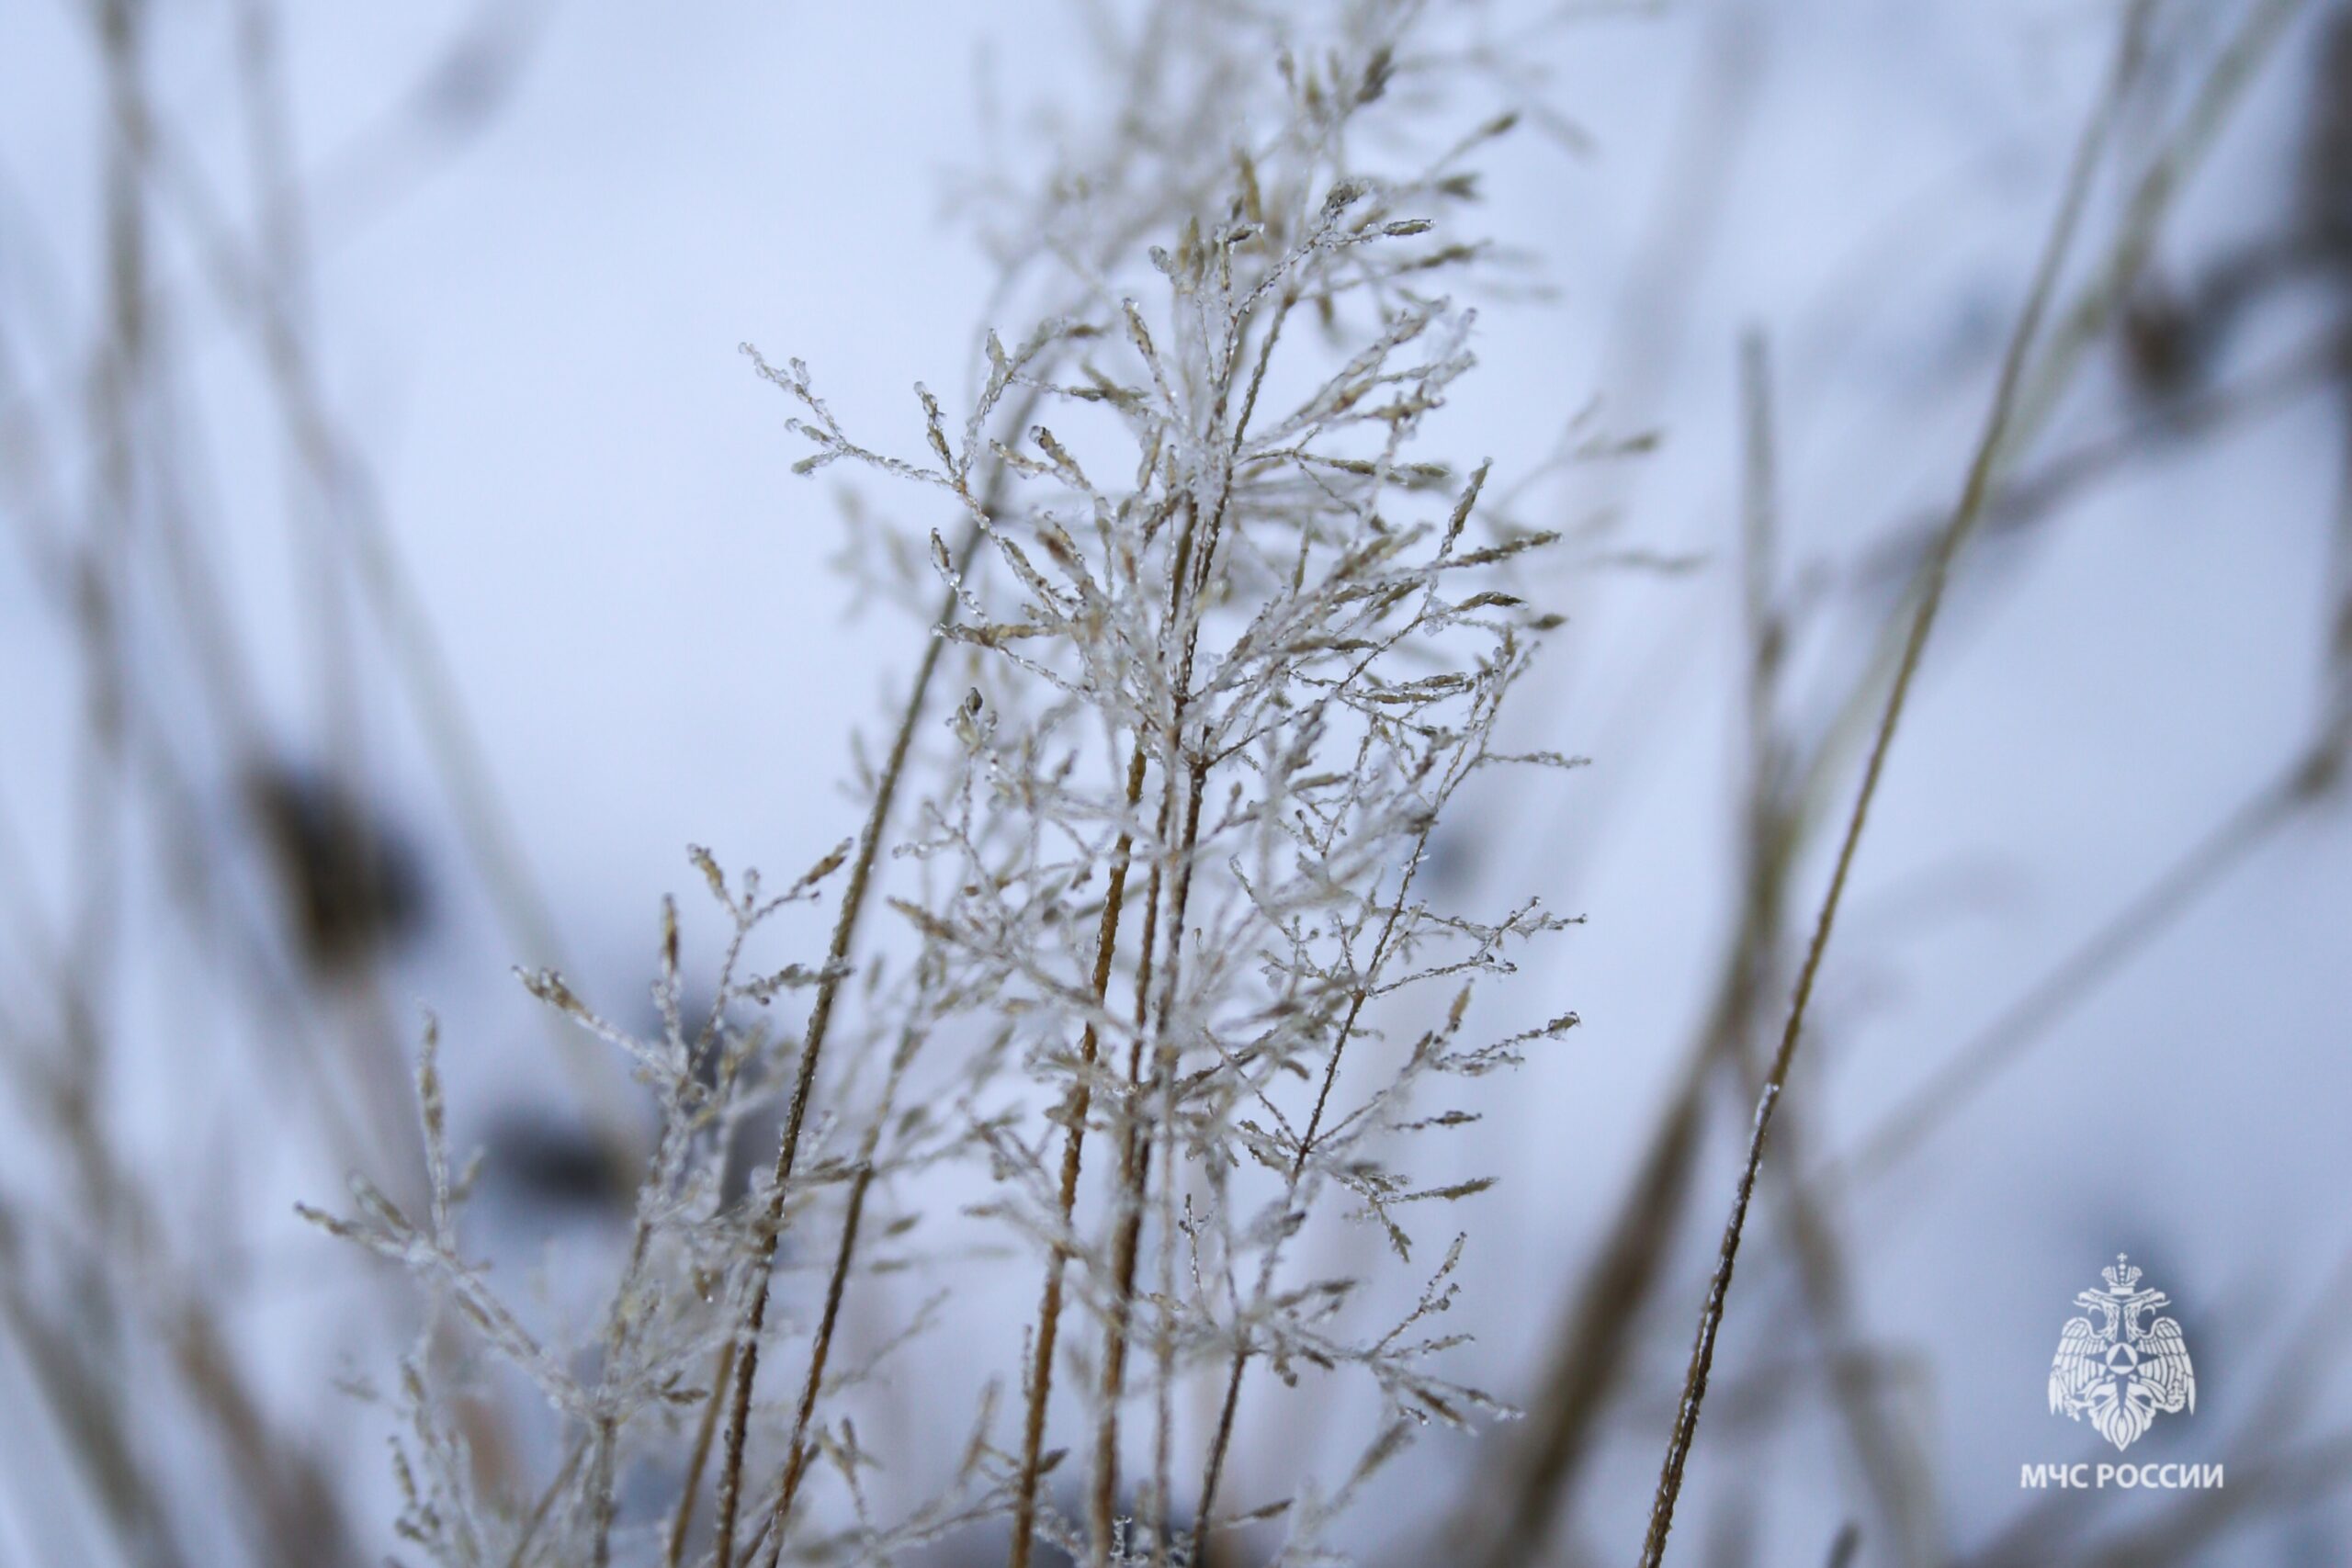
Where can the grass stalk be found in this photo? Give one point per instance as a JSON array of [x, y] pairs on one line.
[[1076, 1109], [1970, 507]]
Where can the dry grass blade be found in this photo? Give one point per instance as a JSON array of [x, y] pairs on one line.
[[746, 1347], [1050, 1310], [797, 1445], [1965, 514], [698, 1457], [747, 1341]]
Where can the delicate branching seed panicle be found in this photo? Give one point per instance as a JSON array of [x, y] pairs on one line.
[[1230, 645], [1244, 613]]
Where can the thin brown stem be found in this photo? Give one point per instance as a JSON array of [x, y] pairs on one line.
[[1081, 1101], [1134, 1153], [1223, 1437], [706, 1430], [539, 1510], [795, 1463], [1188, 581], [820, 1016], [1593, 1345], [1970, 507], [1366, 982]]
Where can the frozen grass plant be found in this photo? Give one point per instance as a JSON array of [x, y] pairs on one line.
[[1082, 1161], [1154, 987]]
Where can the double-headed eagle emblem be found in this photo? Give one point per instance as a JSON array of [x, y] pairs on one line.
[[2121, 1372]]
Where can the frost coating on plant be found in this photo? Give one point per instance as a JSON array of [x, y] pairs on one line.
[[1229, 647]]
